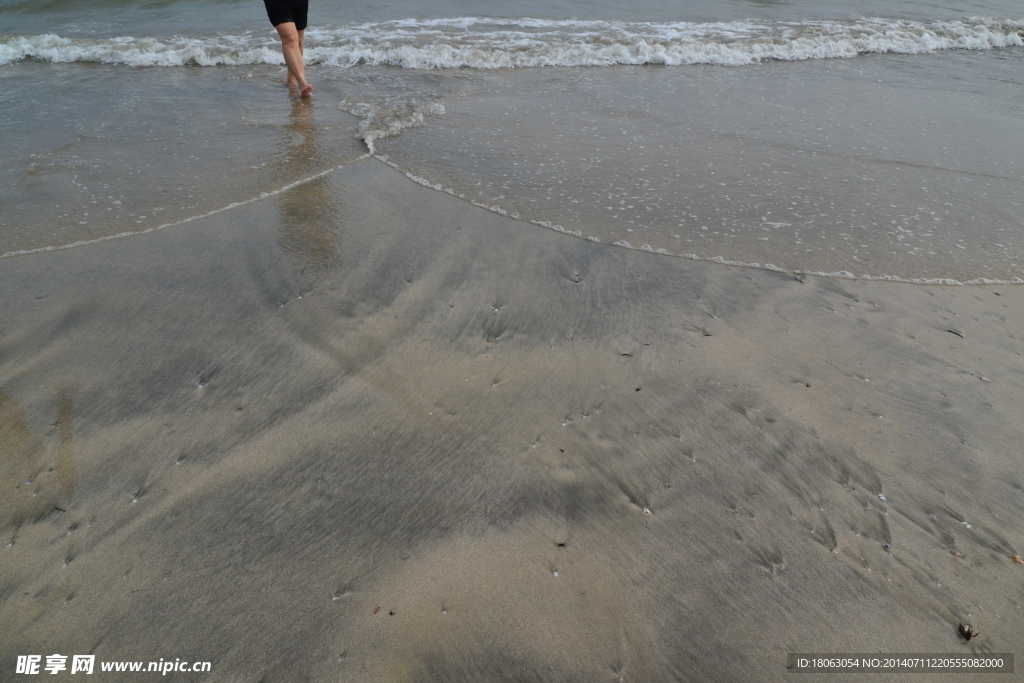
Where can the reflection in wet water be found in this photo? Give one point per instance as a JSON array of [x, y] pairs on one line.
[[65, 449], [309, 212]]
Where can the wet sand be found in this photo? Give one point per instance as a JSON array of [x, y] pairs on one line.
[[540, 458]]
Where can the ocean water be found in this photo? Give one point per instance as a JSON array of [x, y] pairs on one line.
[[858, 139]]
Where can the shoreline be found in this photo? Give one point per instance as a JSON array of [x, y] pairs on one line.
[[840, 275]]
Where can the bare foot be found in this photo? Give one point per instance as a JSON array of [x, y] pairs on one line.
[[306, 90]]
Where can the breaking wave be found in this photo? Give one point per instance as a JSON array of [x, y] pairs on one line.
[[480, 43]]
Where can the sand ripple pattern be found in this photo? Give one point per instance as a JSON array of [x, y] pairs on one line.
[[480, 43]]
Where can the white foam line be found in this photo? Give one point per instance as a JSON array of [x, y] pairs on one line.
[[516, 43], [233, 205], [841, 274]]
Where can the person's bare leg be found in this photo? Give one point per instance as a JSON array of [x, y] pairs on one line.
[[291, 45], [302, 52], [302, 60]]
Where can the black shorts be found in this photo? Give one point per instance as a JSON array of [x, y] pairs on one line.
[[283, 11]]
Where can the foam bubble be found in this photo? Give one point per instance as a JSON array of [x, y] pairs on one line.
[[389, 116]]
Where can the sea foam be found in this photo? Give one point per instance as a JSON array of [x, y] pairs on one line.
[[480, 43]]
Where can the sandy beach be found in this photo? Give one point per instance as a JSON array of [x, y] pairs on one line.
[[364, 431]]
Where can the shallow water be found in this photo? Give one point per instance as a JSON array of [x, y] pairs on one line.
[[98, 150], [799, 136], [872, 166]]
